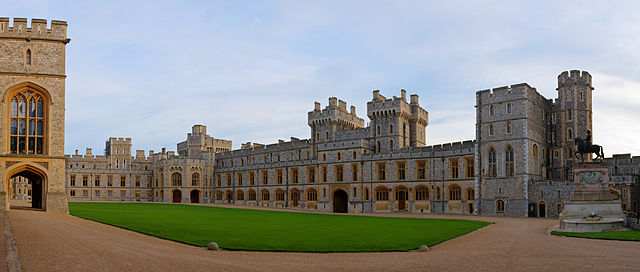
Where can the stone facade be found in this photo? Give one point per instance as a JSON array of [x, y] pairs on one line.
[[33, 70], [519, 163]]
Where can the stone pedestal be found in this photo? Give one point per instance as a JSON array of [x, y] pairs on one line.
[[591, 195]]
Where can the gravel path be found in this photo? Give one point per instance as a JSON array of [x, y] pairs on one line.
[[53, 242]]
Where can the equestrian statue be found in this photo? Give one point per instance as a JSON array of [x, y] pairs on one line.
[[585, 147]]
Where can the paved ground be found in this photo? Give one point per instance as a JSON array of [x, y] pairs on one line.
[[53, 242]]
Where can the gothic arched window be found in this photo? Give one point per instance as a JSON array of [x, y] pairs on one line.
[[492, 163], [509, 161], [27, 120], [28, 56]]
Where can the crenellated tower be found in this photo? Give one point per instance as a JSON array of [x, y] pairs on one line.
[[571, 117], [395, 123], [334, 118]]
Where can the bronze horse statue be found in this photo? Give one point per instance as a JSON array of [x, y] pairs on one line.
[[587, 148]]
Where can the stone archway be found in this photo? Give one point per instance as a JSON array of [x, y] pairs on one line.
[[176, 196], [37, 187], [195, 196], [340, 201]]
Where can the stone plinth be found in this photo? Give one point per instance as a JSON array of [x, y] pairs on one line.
[[591, 195]]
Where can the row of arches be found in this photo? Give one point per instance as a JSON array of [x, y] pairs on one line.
[[176, 179]]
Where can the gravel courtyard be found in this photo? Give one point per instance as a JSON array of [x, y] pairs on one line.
[[54, 242]]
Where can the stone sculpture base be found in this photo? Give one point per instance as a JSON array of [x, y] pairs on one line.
[[590, 196]]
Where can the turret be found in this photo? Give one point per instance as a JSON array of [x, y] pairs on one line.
[[396, 123]]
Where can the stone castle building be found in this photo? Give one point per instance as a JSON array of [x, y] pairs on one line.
[[519, 163]]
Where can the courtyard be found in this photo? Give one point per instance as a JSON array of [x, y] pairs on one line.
[[508, 244]]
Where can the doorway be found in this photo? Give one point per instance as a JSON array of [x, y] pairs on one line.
[[177, 196], [295, 198], [532, 210], [37, 181], [542, 209], [340, 199], [401, 196], [195, 196]]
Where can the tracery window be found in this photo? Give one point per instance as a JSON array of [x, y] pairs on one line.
[[509, 161], [492, 163], [176, 179], [312, 194], [455, 193], [27, 122], [382, 193], [422, 193], [195, 179]]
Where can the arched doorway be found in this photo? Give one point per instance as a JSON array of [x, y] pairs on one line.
[[229, 196], [542, 209], [37, 181], [177, 196], [295, 197], [340, 199], [401, 197], [195, 196]]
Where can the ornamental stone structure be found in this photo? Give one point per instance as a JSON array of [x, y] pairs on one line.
[[32, 89]]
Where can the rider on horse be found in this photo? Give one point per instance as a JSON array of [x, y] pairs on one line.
[[587, 140]]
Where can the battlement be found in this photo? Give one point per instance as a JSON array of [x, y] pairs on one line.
[[379, 106], [119, 140], [574, 77], [37, 31], [336, 111]]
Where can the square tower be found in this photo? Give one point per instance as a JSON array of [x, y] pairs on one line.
[[32, 86]]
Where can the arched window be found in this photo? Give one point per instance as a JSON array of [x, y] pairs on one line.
[[499, 205], [28, 56], [422, 193], [312, 194], [251, 195], [508, 107], [508, 159], [378, 146], [455, 193], [279, 195], [471, 193], [218, 195], [535, 151], [569, 134], [508, 127], [382, 193], [390, 145], [438, 193], [378, 130], [366, 193], [264, 195], [176, 179], [195, 179], [239, 195], [317, 136], [390, 128], [404, 133], [354, 155], [338, 155], [491, 111], [27, 121], [326, 135], [493, 172], [490, 129]]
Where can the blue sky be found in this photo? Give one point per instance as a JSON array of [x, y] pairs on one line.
[[251, 70]]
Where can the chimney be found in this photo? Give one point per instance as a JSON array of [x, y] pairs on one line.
[[76, 152], [353, 110], [316, 106], [88, 152], [403, 94]]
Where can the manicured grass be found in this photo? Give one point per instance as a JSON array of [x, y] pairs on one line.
[[245, 229], [632, 235]]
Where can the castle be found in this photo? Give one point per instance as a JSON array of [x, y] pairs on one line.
[[519, 163]]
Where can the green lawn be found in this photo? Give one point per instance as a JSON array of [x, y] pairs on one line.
[[632, 235], [244, 229]]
